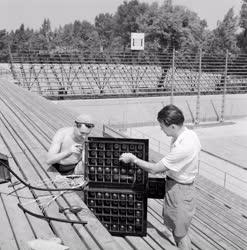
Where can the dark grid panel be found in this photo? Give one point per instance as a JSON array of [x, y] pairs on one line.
[[104, 169], [121, 211]]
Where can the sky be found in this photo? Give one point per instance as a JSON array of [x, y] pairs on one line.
[[33, 12]]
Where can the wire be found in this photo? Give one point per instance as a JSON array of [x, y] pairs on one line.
[[40, 188], [51, 218]]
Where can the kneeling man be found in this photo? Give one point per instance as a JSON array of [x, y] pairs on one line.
[[67, 149]]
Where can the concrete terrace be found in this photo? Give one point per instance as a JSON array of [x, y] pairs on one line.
[[27, 123], [142, 111]]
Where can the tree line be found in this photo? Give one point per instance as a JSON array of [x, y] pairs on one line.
[[166, 27]]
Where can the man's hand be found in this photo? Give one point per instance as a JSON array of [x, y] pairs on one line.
[[127, 158], [76, 148]]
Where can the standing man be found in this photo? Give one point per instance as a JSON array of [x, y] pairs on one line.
[[67, 149], [181, 168]]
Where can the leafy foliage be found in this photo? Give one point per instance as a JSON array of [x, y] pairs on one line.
[[3, 45], [166, 27], [224, 36]]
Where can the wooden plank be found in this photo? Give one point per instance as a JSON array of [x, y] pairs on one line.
[[152, 243], [19, 121], [64, 231], [41, 228], [224, 232], [31, 106], [7, 239], [210, 204], [155, 221], [20, 132], [159, 239], [222, 195], [123, 243], [38, 121], [94, 227], [29, 110], [19, 224], [28, 100], [34, 158], [198, 238], [214, 230], [56, 113], [137, 243], [104, 238]]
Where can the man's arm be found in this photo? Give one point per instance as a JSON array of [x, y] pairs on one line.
[[152, 168], [54, 155]]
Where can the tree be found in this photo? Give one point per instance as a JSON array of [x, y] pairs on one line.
[[38, 40], [87, 39], [66, 35], [103, 25], [125, 20], [21, 39], [224, 36], [45, 35], [169, 27], [242, 37], [3, 46], [243, 15]]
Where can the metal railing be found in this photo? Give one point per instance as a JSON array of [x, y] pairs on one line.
[[4, 71], [130, 73], [224, 178]]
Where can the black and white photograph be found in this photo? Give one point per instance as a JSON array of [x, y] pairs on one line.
[[123, 125]]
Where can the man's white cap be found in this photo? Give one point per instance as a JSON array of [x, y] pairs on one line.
[[84, 118]]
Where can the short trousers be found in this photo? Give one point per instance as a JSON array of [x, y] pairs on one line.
[[178, 207], [65, 169]]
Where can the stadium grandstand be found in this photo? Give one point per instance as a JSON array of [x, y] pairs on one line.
[[56, 75]]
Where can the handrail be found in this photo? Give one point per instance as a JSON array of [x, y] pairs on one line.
[[4, 71], [203, 150], [223, 159]]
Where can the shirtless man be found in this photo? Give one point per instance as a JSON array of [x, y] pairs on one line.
[[67, 149]]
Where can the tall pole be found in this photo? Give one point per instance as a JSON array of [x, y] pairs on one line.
[[12, 69], [173, 72], [224, 90], [197, 120]]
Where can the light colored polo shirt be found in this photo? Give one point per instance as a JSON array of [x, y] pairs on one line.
[[183, 158]]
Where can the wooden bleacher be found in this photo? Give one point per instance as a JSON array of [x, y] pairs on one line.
[[27, 124]]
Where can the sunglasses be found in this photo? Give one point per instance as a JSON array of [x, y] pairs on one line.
[[87, 125]]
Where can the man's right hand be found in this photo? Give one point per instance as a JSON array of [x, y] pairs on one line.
[[76, 148]]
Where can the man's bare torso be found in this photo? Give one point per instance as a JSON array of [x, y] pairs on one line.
[[67, 140]]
